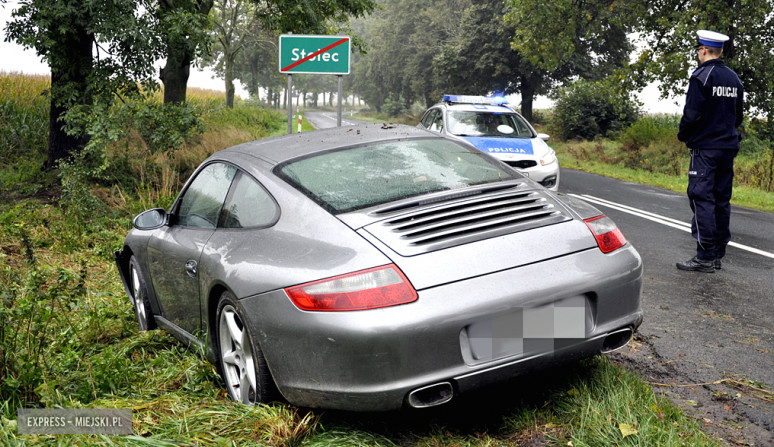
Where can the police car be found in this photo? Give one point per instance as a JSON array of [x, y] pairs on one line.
[[495, 128]]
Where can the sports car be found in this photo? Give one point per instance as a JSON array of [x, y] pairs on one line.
[[375, 267]]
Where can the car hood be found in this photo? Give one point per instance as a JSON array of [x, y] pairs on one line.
[[495, 145], [448, 241]]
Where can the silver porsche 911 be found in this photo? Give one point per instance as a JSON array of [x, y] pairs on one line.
[[377, 266]]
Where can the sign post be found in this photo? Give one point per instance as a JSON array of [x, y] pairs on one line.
[[305, 54], [290, 104]]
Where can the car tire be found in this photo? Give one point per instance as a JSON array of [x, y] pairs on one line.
[[242, 365], [139, 297]]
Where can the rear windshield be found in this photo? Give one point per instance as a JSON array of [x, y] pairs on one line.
[[359, 177]]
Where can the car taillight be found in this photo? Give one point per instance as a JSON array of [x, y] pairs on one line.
[[609, 237], [366, 289]]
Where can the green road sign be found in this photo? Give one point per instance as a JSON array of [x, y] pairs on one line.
[[314, 54]]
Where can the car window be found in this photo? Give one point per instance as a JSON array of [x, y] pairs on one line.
[[249, 205], [364, 176], [201, 203], [427, 119], [437, 124], [488, 124]]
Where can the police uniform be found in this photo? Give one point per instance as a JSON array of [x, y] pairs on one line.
[[712, 113]]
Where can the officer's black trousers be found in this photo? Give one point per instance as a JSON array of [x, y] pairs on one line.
[[710, 179]]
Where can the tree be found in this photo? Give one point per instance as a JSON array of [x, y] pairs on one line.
[[669, 28], [587, 37], [256, 66], [479, 59], [233, 25], [183, 25], [402, 39], [96, 50], [571, 39]]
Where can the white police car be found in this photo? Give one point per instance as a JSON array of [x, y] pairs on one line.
[[495, 128]]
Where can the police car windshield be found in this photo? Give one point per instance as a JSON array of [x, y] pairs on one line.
[[487, 124]]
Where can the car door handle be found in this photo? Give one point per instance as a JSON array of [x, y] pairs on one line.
[[190, 268]]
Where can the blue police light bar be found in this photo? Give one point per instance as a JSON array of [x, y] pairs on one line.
[[471, 99]]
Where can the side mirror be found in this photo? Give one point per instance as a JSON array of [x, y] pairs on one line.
[[543, 136], [151, 219]]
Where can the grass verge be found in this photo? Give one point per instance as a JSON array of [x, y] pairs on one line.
[[568, 154]]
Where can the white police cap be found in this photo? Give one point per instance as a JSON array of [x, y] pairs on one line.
[[711, 38]]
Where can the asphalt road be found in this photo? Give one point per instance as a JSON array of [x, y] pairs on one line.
[[324, 120], [707, 339]]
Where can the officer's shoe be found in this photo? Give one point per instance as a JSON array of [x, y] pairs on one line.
[[718, 265], [697, 265]]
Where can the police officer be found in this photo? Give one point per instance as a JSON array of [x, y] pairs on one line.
[[713, 111]]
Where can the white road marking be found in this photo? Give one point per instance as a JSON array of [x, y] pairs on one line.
[[668, 221]]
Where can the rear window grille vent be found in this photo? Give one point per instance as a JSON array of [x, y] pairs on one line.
[[468, 220]]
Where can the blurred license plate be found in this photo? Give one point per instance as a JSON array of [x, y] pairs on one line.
[[527, 330]]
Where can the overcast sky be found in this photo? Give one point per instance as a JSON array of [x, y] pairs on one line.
[[13, 58]]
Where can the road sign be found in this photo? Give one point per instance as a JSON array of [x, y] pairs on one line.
[[314, 54]]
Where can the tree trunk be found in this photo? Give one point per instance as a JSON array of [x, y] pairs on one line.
[[181, 51], [175, 74], [230, 82], [527, 97], [69, 86]]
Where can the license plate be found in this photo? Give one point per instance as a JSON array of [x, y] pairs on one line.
[[527, 330]]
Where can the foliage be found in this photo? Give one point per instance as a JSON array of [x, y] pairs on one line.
[[23, 112], [587, 39], [649, 143], [588, 109], [97, 50], [394, 106], [233, 26], [669, 29], [755, 164], [36, 302], [567, 40], [183, 29], [482, 46], [309, 17]]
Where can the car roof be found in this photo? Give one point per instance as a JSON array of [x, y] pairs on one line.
[[276, 150]]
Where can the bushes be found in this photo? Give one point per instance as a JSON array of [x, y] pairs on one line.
[[588, 109], [651, 143], [394, 106]]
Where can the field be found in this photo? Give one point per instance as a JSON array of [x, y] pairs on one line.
[[69, 339]]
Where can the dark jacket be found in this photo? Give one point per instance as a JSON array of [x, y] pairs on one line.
[[713, 108]]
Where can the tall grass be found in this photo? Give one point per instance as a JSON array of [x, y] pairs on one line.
[[24, 109]]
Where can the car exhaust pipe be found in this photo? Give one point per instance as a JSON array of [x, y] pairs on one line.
[[617, 340], [431, 395]]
